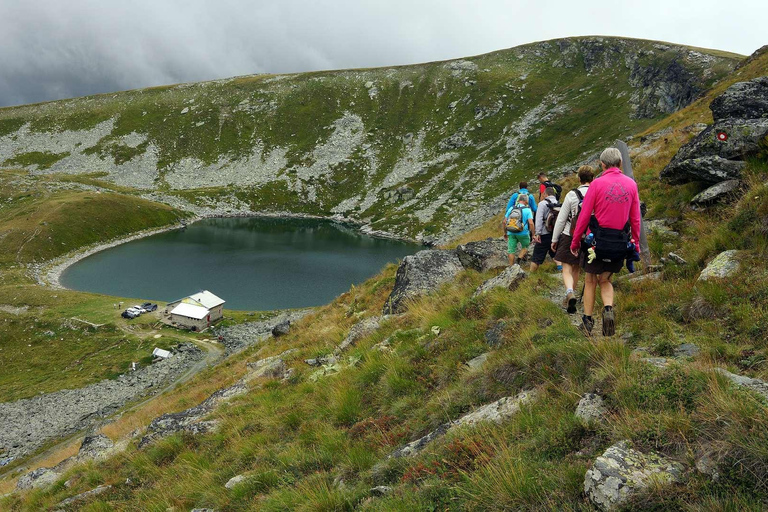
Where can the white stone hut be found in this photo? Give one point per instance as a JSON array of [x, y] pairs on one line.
[[196, 312]]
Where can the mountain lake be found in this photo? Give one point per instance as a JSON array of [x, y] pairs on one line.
[[254, 263]]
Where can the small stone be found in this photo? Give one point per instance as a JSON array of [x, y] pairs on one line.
[[724, 265], [381, 490], [478, 361], [677, 259], [494, 335], [591, 407], [658, 362], [235, 480], [687, 350]]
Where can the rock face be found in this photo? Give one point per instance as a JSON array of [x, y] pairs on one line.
[[509, 278], [483, 255], [281, 329], [740, 129], [420, 274], [621, 471], [28, 423], [591, 408], [496, 412], [717, 193], [190, 420], [723, 266]]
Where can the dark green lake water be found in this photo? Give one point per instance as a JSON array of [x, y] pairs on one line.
[[252, 263]]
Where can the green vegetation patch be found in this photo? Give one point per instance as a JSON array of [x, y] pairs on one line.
[[42, 159]]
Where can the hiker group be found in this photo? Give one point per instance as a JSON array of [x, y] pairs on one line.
[[596, 228]]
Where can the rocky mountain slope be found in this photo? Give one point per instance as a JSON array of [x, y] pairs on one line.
[[426, 151]]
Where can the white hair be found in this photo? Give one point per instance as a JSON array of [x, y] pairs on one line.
[[611, 157]]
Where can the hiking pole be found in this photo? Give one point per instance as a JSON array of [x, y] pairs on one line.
[[645, 253]]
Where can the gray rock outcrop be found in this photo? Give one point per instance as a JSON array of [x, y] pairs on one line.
[[40, 477], [191, 420], [509, 278], [483, 255], [717, 193], [495, 412], [591, 408], [281, 329], [358, 331], [756, 385], [420, 274], [620, 472], [724, 265], [740, 129], [84, 496], [270, 367], [28, 423], [241, 336]]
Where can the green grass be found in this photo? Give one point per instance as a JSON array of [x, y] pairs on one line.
[[43, 160]]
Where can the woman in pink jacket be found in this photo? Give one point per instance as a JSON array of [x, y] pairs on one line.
[[613, 201]]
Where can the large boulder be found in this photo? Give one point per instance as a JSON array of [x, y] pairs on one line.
[[420, 274], [621, 472], [483, 255], [723, 266], [95, 446], [747, 100], [716, 193], [740, 131]]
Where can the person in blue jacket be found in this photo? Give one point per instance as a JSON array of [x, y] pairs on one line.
[[523, 190]]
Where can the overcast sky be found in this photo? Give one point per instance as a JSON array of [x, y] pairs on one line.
[[52, 49]]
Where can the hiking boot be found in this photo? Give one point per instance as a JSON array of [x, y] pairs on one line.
[[609, 326], [570, 302], [587, 324]]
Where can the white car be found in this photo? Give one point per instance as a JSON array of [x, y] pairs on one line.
[[139, 309]]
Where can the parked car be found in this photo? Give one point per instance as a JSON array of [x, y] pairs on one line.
[[149, 306], [130, 313], [139, 309]]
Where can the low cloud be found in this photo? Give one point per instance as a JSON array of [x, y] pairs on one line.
[[52, 49]]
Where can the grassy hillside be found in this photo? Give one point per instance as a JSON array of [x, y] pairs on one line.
[[457, 134], [321, 443]]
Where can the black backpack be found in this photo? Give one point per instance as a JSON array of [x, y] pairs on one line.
[[610, 244], [558, 189]]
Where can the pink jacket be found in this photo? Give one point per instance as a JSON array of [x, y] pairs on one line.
[[613, 197]]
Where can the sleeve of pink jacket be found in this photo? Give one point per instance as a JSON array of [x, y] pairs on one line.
[[586, 213], [634, 215]]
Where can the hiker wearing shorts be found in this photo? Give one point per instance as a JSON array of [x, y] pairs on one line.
[[522, 237], [611, 205], [561, 236], [542, 235]]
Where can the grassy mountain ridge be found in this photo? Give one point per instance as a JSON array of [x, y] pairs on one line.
[[453, 136]]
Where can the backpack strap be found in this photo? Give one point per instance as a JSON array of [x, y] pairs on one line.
[[579, 194]]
